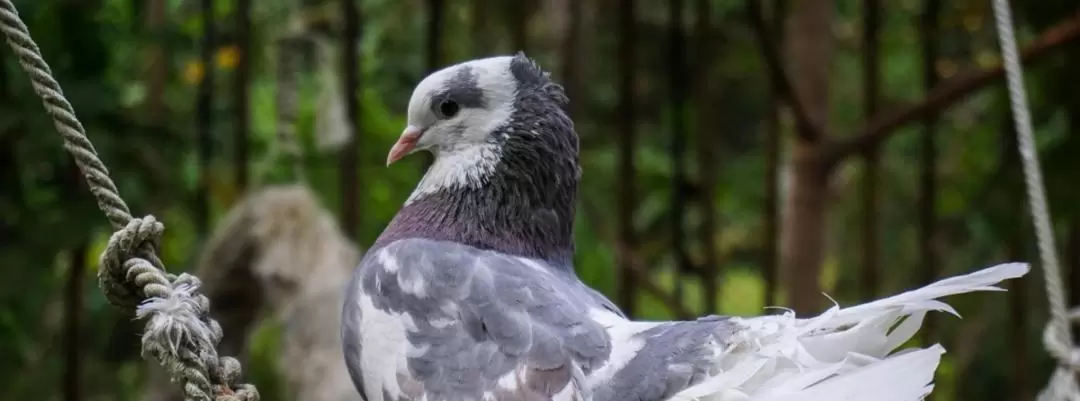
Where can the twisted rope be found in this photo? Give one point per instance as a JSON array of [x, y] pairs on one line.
[[1057, 336], [179, 332]]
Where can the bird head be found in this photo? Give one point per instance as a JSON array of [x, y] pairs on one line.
[[468, 115], [506, 171]]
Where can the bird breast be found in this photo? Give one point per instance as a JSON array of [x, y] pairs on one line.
[[385, 349]]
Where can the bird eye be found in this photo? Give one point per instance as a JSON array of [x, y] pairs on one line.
[[449, 108]]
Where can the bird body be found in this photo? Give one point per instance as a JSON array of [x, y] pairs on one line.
[[470, 291], [454, 322]]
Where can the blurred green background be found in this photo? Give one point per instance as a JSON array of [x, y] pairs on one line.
[[729, 191]]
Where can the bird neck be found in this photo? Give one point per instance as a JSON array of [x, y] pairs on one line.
[[524, 206]]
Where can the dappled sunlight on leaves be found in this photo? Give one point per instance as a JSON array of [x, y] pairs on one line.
[[193, 72], [226, 58]]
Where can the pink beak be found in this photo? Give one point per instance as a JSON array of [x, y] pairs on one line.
[[405, 144]]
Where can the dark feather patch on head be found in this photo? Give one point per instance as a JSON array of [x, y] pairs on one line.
[[463, 89], [526, 205], [530, 76]]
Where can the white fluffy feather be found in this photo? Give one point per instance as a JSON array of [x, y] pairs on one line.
[[843, 354], [466, 159]]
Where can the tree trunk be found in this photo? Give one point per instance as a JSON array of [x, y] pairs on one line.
[[242, 93], [1015, 244], [433, 57], [677, 75], [349, 165], [871, 269], [478, 23], [707, 132], [520, 14], [1072, 241], [10, 181], [973, 329], [1072, 264], [1072, 244], [156, 72], [73, 311], [203, 116], [157, 62], [928, 34], [1018, 322], [771, 251], [571, 58], [626, 124], [810, 46], [1017, 292], [286, 100], [433, 51]]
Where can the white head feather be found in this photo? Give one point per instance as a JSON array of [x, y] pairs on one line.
[[464, 154]]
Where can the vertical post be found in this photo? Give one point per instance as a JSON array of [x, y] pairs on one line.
[[433, 58], [241, 91], [73, 311], [627, 126], [677, 83], [519, 23], [771, 261], [707, 130], [871, 269], [928, 33], [478, 30], [571, 58], [203, 115], [349, 164]]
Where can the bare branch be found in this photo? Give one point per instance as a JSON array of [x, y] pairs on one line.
[[635, 266], [807, 130], [879, 128]]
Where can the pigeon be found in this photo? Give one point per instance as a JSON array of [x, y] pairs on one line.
[[470, 291]]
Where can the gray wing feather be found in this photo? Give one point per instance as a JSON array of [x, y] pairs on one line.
[[350, 321], [480, 316], [674, 356]]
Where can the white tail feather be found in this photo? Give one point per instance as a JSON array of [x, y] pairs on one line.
[[904, 377], [842, 354]]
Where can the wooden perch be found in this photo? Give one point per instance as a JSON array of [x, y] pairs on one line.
[[944, 95], [808, 131]]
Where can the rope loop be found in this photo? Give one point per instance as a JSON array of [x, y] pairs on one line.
[[130, 268], [1061, 349], [179, 331], [1057, 336], [1062, 385], [228, 372]]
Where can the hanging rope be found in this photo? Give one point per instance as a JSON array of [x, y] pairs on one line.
[[1057, 336], [179, 332]]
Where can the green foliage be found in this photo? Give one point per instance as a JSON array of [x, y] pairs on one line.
[[263, 365], [99, 52]]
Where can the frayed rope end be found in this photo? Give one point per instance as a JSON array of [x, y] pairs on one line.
[[175, 321]]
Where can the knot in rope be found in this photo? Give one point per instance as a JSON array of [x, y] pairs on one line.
[[179, 331], [1062, 385], [1061, 349], [130, 269], [1057, 336], [228, 371]]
